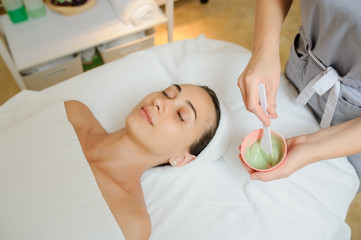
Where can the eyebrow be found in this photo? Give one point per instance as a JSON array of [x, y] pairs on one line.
[[194, 110], [179, 89]]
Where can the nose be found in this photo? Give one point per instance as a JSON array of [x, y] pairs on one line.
[[161, 104]]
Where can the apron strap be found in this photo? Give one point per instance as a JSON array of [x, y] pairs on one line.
[[320, 84]]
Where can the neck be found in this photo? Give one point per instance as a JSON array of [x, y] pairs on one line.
[[117, 154]]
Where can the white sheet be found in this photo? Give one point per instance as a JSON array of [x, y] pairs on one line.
[[216, 200], [48, 190]]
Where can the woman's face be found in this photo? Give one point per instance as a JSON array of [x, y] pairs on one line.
[[166, 123]]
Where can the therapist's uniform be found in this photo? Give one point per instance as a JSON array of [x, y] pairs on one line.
[[325, 62]]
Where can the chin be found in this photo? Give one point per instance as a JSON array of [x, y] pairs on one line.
[[143, 136], [137, 129], [133, 124]]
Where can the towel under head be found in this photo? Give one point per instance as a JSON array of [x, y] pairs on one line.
[[219, 143]]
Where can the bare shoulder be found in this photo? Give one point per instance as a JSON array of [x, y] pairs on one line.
[[81, 117], [77, 112]]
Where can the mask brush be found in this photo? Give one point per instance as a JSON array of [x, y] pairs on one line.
[[266, 143]]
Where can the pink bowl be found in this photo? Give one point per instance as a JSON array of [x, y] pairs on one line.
[[256, 135]]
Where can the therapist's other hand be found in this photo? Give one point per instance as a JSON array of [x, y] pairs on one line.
[[296, 158], [262, 68]]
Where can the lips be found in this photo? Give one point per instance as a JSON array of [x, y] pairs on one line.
[[144, 111]]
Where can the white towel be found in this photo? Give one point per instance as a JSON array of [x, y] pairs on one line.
[[219, 143], [135, 12], [47, 188]]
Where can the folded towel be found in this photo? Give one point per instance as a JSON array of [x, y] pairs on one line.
[[216, 147], [135, 12], [219, 143], [47, 188]]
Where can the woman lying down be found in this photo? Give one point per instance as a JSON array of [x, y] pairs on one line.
[[167, 127]]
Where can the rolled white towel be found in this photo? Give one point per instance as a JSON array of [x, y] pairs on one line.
[[219, 143], [135, 12]]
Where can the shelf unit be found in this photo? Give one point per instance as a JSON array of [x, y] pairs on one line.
[[35, 42]]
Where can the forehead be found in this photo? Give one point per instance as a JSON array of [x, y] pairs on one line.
[[192, 90], [200, 99]]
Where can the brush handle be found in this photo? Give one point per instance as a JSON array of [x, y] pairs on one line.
[[263, 97], [266, 142]]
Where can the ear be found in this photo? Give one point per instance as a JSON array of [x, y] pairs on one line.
[[181, 160]]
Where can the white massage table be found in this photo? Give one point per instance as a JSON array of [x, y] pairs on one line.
[[47, 190]]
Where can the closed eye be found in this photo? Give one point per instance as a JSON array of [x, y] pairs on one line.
[[180, 116], [165, 94]]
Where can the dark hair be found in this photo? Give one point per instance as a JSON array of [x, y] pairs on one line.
[[202, 142], [198, 146]]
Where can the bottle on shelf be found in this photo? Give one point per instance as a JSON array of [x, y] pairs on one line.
[[35, 8], [15, 10], [91, 59]]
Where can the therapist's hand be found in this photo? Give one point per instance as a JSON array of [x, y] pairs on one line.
[[296, 158], [263, 67], [328, 143]]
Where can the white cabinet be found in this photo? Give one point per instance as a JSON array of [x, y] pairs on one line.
[[39, 41]]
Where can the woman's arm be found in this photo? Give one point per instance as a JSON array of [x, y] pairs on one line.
[[269, 19], [264, 65], [336, 141]]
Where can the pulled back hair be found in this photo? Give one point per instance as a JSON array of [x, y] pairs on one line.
[[201, 143], [197, 147]]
